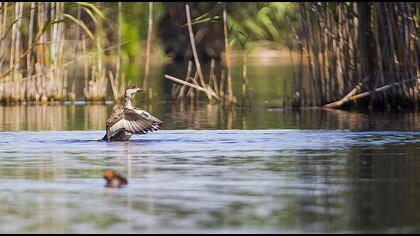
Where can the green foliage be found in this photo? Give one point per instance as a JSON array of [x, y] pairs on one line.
[[264, 22], [130, 37], [250, 23], [134, 26]]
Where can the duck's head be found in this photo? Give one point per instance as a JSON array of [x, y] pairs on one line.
[[132, 90], [109, 174]]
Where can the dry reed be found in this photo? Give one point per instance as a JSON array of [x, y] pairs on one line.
[[356, 48]]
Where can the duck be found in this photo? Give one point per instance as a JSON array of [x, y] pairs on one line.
[[114, 180], [127, 120]]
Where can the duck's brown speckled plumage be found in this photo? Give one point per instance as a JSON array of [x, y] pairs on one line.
[[127, 120]]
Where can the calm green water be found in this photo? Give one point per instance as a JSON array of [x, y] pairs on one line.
[[210, 170]]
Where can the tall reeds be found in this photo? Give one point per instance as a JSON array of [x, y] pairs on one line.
[[34, 38], [228, 57], [150, 92], [354, 48], [44, 75], [118, 81], [149, 45], [97, 85]]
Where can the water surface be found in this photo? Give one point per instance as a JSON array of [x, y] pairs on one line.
[[277, 180]]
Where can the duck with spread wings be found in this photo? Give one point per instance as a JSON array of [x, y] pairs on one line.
[[127, 120]]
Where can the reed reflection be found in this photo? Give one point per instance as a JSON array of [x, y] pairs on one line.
[[205, 116]]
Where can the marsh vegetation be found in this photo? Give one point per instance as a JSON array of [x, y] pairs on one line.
[[346, 54]]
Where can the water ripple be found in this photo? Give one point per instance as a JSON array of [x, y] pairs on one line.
[[205, 180]]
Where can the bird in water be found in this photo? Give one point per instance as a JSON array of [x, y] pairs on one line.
[[127, 120], [114, 180]]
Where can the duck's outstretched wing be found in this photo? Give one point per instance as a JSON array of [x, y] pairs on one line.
[[135, 121]]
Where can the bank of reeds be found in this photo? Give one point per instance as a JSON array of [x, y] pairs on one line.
[[35, 56], [35, 70], [365, 54]]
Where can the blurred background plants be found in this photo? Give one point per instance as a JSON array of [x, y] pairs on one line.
[[54, 51]]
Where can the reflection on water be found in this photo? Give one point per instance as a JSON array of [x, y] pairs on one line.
[[54, 117], [211, 181], [204, 116]]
